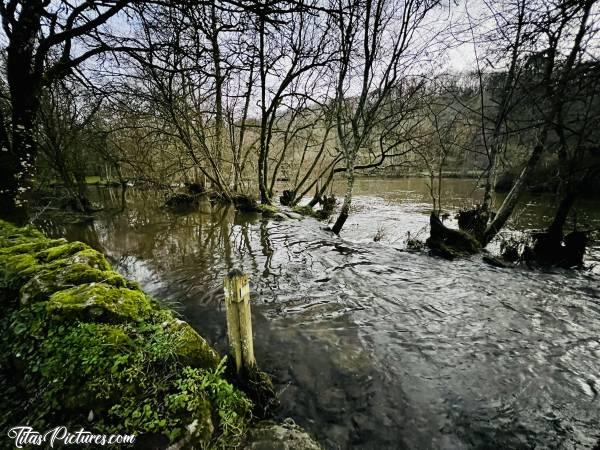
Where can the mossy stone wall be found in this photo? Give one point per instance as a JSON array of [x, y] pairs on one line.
[[84, 347]]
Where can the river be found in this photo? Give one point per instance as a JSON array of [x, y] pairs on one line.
[[374, 347]]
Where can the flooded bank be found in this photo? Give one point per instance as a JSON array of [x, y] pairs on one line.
[[374, 347]]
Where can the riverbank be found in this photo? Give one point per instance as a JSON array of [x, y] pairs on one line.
[[84, 347]]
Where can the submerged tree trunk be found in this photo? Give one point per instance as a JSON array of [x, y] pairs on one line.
[[511, 200], [552, 247], [262, 168], [345, 211], [320, 191], [76, 190]]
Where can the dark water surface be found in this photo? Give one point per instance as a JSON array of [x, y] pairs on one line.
[[373, 347]]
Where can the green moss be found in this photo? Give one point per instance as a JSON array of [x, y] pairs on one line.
[[83, 338], [99, 301], [11, 235], [34, 246], [62, 251], [259, 388], [16, 269], [20, 262], [50, 280], [90, 257], [130, 376], [268, 210], [138, 362], [305, 211], [190, 347], [160, 314], [232, 407]]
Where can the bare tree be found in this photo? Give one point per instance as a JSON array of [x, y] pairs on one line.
[[291, 53], [373, 42], [45, 42], [447, 133], [494, 142], [68, 124], [564, 24]]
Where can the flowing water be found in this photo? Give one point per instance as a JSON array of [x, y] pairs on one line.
[[374, 347]]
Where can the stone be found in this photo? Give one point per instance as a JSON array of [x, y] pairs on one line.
[[47, 281], [61, 251], [99, 302], [191, 348], [268, 435]]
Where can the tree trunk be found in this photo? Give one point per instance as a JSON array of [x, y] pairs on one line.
[[507, 92], [263, 157], [320, 191], [219, 122], [449, 243], [548, 248], [513, 196], [345, 211], [24, 85], [264, 193], [9, 166], [490, 180], [562, 212], [17, 163]]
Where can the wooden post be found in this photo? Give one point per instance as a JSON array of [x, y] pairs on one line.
[[239, 319]]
